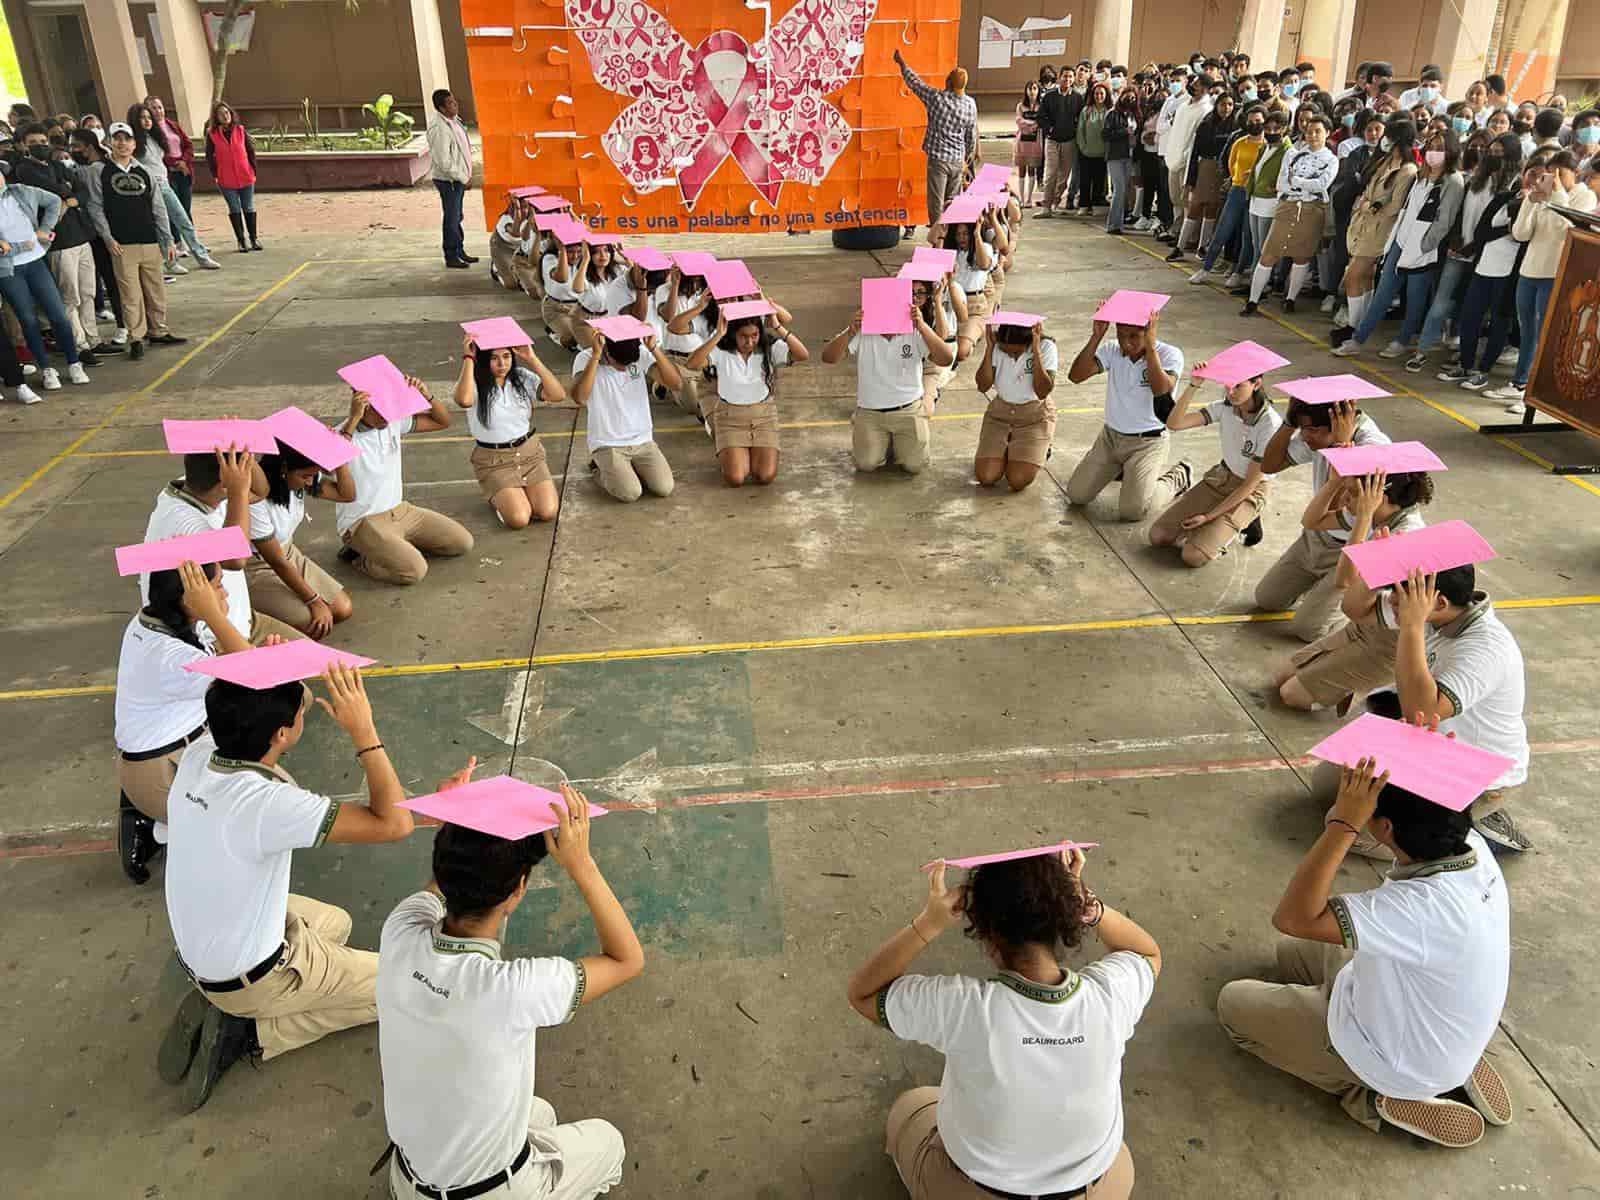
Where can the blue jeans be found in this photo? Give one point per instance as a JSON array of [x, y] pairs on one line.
[[182, 226], [1532, 297], [29, 285], [1235, 208], [241, 199], [1119, 170], [1445, 299], [451, 197], [1481, 306]]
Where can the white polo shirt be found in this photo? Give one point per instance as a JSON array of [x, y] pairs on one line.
[[278, 521], [230, 829], [1031, 1099], [1013, 376], [176, 514], [741, 380], [1366, 433], [1130, 403], [456, 1030], [157, 702], [888, 369], [1413, 1010], [562, 293], [609, 296], [376, 473], [619, 402], [510, 410], [1477, 663], [699, 327], [1243, 441], [968, 278]]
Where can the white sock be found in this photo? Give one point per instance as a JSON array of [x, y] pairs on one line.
[[1258, 282], [1191, 226], [1207, 228], [1298, 274], [1358, 307], [159, 832]]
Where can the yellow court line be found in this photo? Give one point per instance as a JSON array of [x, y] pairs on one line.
[[1394, 384], [814, 643], [146, 390]]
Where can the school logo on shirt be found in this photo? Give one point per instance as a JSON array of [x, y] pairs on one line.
[[1249, 448], [200, 800], [1075, 1040], [430, 985], [633, 370], [1144, 376], [906, 350]]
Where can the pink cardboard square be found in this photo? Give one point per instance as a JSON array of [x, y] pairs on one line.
[[1241, 361], [569, 231], [730, 277], [617, 329], [979, 860], [1128, 307], [385, 386], [944, 259], [218, 433], [1393, 457], [694, 262], [996, 173], [501, 806], [268, 666], [596, 237], [548, 203], [214, 545], [648, 258], [496, 333], [297, 428], [740, 309], [532, 189], [925, 272], [963, 210], [1011, 316], [1430, 549], [886, 305], [1444, 770], [1331, 389]]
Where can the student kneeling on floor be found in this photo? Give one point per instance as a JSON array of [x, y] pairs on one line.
[[457, 1022], [610, 380], [1390, 996], [890, 421], [1031, 1100]]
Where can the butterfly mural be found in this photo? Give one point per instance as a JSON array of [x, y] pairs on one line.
[[763, 105]]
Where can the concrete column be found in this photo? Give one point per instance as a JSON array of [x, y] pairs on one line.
[[1260, 30], [1110, 31], [116, 54], [432, 68], [188, 55], [1325, 36], [1459, 43]]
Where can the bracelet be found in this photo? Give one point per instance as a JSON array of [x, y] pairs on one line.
[[1099, 907], [918, 932], [1341, 821], [314, 598], [369, 750]]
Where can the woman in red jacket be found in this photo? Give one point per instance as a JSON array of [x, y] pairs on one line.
[[231, 155], [179, 155]]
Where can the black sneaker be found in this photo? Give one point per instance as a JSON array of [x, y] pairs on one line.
[[1340, 334], [166, 339], [1501, 831], [136, 842], [1252, 533], [182, 1038], [1249, 309], [223, 1041], [347, 554], [1176, 255], [88, 359], [1288, 305], [136, 350], [458, 264], [471, 258], [109, 348]]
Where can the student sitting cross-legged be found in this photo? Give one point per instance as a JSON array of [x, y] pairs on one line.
[[1389, 997], [457, 1023], [1031, 1099]]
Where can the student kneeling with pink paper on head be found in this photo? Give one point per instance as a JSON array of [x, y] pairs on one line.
[[1056, 1035], [744, 353], [499, 389], [610, 380], [1019, 366]]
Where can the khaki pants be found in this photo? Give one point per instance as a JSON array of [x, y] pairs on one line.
[[627, 472], [874, 433], [1175, 187], [389, 545], [944, 181], [1286, 1024], [1057, 170], [1302, 579], [319, 987], [687, 397], [144, 295], [501, 256], [271, 595], [147, 783], [562, 318], [74, 272], [1356, 657], [1212, 538], [1142, 462], [586, 1160], [527, 277], [913, 1142]]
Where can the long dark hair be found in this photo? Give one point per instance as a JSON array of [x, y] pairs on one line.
[[483, 380], [142, 135], [1503, 180], [276, 468], [612, 267], [1402, 135], [1034, 84], [950, 242], [166, 604], [730, 342], [1010, 904]]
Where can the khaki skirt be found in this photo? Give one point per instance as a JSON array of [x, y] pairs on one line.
[[1019, 432], [1207, 191], [1297, 229], [745, 426], [979, 306], [519, 467]]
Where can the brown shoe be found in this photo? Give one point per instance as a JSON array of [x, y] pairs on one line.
[[1443, 1122], [1489, 1094]]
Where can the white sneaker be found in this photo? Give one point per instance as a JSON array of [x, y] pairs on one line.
[[207, 263], [1516, 408], [183, 252], [1508, 357], [76, 373], [1235, 280], [26, 395], [177, 268], [1348, 348], [1200, 276], [29, 369], [1330, 302], [120, 337], [50, 379], [1509, 391], [105, 314], [1395, 349]]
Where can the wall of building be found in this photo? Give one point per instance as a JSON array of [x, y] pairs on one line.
[[1580, 50], [1007, 80], [1169, 30], [1396, 33]]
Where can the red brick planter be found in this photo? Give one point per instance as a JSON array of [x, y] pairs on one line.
[[331, 170]]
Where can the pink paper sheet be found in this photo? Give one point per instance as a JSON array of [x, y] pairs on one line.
[[963, 210], [924, 271], [1011, 316], [694, 262], [549, 203], [617, 329], [386, 387], [1128, 307], [214, 545], [1241, 361], [596, 237], [1331, 389], [311, 437], [944, 259], [648, 258], [1430, 549], [531, 189], [268, 666], [1444, 770], [496, 333], [996, 172], [740, 309], [1395, 458], [199, 437], [978, 860], [549, 221], [886, 306], [501, 806], [730, 277]]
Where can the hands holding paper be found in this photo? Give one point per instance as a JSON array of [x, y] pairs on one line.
[[348, 705], [1415, 598], [943, 906], [1369, 494], [203, 599], [1358, 793], [1344, 422], [568, 842], [235, 467]]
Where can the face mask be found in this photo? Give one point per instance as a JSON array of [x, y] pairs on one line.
[[1385, 144], [42, 153], [1117, 81], [1248, 94], [1348, 120], [1174, 88], [1469, 159], [1435, 158], [1254, 130], [1429, 92], [1290, 89], [1589, 134], [80, 156], [1274, 137], [1461, 124]]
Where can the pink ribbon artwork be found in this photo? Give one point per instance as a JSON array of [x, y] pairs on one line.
[[728, 121]]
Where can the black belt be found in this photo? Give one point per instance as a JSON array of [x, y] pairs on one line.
[[1148, 433], [147, 755], [468, 1191], [896, 408], [1074, 1194], [254, 975], [505, 445]]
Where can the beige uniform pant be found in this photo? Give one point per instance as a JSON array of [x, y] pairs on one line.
[[73, 269], [1175, 188], [874, 433], [501, 258], [562, 318], [1142, 460], [320, 986], [944, 181], [588, 1162], [919, 1156], [1304, 574], [144, 294], [687, 397], [269, 594], [627, 472], [1286, 1024], [389, 545], [1212, 538], [1058, 158]]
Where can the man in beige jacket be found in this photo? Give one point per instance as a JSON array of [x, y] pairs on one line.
[[451, 153]]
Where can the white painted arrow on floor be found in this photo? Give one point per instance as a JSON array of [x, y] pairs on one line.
[[522, 713]]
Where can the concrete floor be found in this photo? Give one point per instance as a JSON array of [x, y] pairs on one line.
[[809, 689]]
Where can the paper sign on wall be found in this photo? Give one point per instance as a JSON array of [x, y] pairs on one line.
[[1032, 23], [1043, 48], [993, 56]]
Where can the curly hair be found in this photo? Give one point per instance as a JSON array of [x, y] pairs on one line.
[[1011, 904], [1409, 489]]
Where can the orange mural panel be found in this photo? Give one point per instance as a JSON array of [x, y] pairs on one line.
[[682, 115]]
